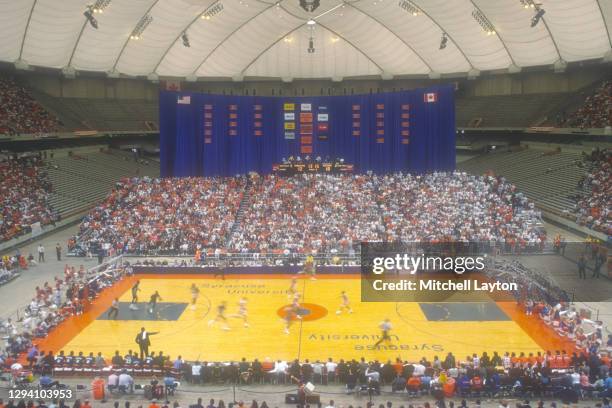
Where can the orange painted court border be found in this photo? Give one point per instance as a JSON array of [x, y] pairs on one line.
[[535, 328]]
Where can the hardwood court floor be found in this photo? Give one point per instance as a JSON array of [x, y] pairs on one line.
[[419, 329]]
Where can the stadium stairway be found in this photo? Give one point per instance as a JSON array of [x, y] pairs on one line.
[[548, 178], [244, 204], [80, 181]]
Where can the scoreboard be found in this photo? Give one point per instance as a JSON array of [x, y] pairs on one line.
[[293, 168]]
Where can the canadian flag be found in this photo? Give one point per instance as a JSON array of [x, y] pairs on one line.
[[430, 97], [184, 100]]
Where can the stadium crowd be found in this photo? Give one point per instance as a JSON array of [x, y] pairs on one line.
[[542, 298], [21, 113], [578, 375], [595, 112], [308, 213], [460, 207], [53, 303], [163, 216], [595, 208], [24, 196]]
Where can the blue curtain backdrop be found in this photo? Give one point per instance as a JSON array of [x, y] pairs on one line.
[[220, 135]]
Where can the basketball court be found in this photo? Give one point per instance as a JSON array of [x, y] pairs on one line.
[[419, 329]]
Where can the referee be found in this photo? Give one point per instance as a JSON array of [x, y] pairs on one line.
[[386, 327]]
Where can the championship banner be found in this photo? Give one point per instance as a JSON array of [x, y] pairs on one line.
[[322, 125], [306, 129], [380, 123], [305, 117], [232, 120], [405, 124], [356, 115], [208, 123], [257, 120], [290, 135], [289, 106], [289, 125]]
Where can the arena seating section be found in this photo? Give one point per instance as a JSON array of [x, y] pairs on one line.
[[594, 112], [550, 179], [46, 190], [595, 198], [326, 213], [508, 110], [103, 114], [24, 196], [81, 180], [20, 113]]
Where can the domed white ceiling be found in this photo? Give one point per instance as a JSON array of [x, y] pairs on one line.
[[267, 38]]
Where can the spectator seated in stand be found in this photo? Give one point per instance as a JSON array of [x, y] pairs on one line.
[[594, 209], [24, 196], [20, 113], [595, 112], [164, 215], [309, 213]]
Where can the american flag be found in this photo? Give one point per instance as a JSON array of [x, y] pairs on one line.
[[184, 100]]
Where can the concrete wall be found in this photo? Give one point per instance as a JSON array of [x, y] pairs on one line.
[[92, 87], [536, 82], [542, 81]]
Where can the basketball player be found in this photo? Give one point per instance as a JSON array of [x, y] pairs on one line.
[[290, 311], [114, 309], [345, 305], [292, 288], [220, 316], [385, 326], [153, 302], [295, 305], [195, 292], [242, 311], [309, 267], [135, 290]]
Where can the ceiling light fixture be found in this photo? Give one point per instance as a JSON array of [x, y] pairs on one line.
[[409, 7], [185, 39], [443, 41], [99, 6], [310, 5], [90, 18], [484, 22], [537, 17], [311, 48], [140, 27], [213, 10]]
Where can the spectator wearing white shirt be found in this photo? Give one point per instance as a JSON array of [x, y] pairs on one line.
[[126, 382], [113, 381], [280, 371], [196, 372], [331, 366]]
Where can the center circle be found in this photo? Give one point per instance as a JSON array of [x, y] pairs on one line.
[[307, 311]]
